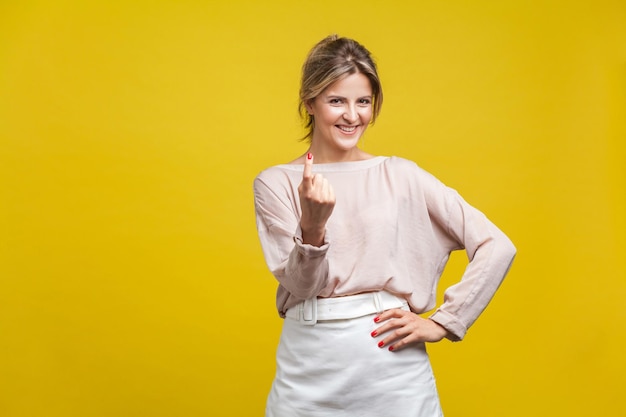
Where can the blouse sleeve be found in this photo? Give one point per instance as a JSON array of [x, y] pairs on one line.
[[489, 250], [300, 268]]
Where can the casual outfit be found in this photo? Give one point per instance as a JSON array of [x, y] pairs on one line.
[[387, 241]]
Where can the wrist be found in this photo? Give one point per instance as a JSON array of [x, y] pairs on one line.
[[313, 236], [442, 331]]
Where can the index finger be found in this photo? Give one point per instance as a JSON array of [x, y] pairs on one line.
[[308, 166], [388, 314]]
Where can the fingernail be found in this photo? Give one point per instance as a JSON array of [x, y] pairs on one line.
[[390, 348], [309, 155], [374, 333], [376, 319], [381, 343]]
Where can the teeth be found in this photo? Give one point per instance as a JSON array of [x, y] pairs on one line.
[[347, 128]]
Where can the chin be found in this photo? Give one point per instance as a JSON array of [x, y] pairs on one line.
[[348, 144]]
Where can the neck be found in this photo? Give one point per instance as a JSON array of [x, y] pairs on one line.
[[325, 156]]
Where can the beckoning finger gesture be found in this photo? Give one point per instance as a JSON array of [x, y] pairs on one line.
[[317, 200]]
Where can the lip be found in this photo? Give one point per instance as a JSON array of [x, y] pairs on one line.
[[353, 129]]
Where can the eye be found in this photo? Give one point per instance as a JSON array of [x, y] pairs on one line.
[[335, 101], [365, 101]]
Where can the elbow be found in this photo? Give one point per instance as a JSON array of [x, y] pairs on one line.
[[305, 293], [502, 246], [498, 246], [506, 252], [510, 249], [499, 249], [302, 288], [306, 280]]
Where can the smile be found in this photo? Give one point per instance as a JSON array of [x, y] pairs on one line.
[[347, 129]]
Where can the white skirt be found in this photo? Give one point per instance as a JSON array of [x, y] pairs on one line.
[[329, 366]]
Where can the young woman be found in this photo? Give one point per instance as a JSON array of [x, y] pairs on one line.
[[357, 243]]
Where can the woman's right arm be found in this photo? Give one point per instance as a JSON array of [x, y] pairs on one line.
[[300, 267]]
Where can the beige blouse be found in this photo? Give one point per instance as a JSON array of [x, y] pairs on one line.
[[393, 228]]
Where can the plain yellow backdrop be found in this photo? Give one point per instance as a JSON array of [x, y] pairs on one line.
[[131, 278]]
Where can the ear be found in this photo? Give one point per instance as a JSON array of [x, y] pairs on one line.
[[309, 106]]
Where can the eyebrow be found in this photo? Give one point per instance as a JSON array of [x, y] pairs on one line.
[[338, 96]]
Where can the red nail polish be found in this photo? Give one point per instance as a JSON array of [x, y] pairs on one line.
[[381, 343], [374, 333], [376, 319], [309, 155], [390, 348]]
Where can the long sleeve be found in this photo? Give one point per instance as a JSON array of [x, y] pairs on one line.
[[393, 228], [490, 254], [300, 268]]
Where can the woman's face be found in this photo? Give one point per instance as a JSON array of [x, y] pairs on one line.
[[342, 113]]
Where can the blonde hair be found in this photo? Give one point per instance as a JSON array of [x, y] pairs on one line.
[[330, 60]]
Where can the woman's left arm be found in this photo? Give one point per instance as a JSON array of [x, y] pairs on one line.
[[490, 254]]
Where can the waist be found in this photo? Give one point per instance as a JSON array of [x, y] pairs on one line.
[[313, 310]]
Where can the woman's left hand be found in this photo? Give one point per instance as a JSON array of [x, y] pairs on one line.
[[402, 328]]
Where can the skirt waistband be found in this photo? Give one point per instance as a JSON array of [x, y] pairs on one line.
[[311, 311]]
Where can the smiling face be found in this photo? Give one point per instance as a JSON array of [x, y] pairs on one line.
[[341, 112]]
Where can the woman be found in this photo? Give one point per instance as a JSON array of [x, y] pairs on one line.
[[357, 243]]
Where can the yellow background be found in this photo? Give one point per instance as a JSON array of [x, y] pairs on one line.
[[131, 278]]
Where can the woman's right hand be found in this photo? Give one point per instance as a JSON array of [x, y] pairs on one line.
[[317, 200]]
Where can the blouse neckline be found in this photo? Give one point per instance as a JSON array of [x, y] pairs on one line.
[[338, 166]]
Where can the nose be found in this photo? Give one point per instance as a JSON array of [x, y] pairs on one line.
[[351, 115]]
